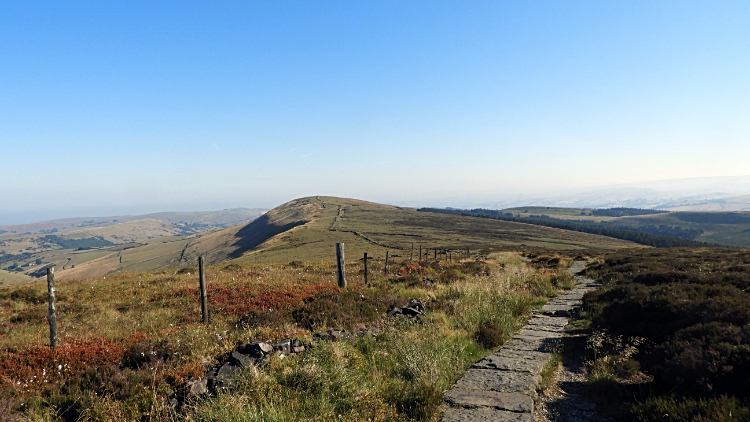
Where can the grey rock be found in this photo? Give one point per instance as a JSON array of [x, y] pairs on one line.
[[513, 402], [298, 349], [506, 363], [284, 346], [197, 388], [256, 349], [411, 312], [227, 370], [503, 381], [485, 415], [241, 360]]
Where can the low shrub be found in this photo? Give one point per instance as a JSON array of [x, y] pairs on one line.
[[490, 336]]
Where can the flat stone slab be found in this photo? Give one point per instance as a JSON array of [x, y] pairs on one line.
[[524, 354], [503, 381], [568, 302], [550, 328], [573, 295], [534, 344], [511, 363], [549, 321], [485, 415], [539, 334], [472, 399]]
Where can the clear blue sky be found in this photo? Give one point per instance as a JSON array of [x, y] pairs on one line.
[[128, 107]]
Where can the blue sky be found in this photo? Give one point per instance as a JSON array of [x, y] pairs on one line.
[[126, 107]]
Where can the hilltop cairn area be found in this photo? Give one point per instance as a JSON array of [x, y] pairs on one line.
[[502, 386]]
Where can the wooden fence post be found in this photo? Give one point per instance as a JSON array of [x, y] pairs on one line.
[[341, 271], [204, 293], [435, 254], [411, 257], [386, 263], [420, 253], [52, 316], [366, 269]]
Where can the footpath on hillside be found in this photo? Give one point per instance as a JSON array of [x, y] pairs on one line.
[[502, 386]]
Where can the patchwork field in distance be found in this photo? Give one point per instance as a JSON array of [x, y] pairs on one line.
[[728, 228]]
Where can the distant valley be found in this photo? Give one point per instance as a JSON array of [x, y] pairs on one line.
[[91, 246]]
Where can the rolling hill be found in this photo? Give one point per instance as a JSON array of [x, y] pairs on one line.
[[307, 229], [304, 229]]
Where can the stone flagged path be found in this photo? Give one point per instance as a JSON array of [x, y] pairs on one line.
[[502, 386]]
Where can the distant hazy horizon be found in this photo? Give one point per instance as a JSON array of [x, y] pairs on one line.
[[649, 194], [136, 107]]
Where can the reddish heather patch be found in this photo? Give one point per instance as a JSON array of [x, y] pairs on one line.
[[39, 365], [186, 371], [412, 269], [241, 301]]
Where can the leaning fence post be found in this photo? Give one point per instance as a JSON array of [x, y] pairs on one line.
[[386, 263], [366, 269], [340, 270], [52, 317], [204, 294]]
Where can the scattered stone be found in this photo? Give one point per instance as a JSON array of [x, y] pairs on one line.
[[257, 349], [415, 309], [332, 335], [284, 346]]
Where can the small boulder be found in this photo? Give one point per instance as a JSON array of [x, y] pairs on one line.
[[256, 349]]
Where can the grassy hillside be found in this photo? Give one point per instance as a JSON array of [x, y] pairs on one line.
[[305, 229], [308, 228]]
